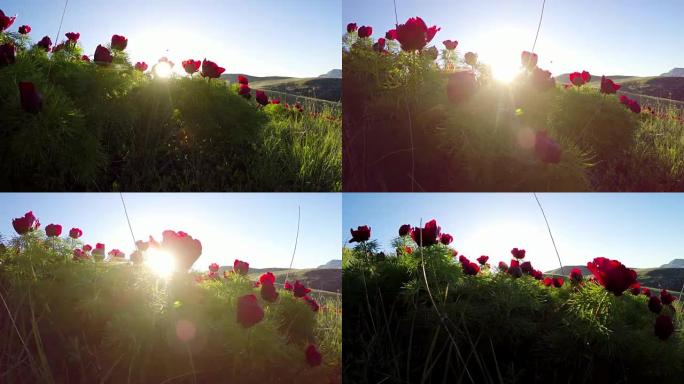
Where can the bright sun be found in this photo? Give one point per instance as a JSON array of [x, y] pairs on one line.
[[501, 49], [163, 69], [160, 262]]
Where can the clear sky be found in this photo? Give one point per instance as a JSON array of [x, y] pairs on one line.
[[641, 230], [626, 37], [298, 38], [254, 227]]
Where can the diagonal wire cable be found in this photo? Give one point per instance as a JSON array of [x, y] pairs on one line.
[[128, 220], [299, 220], [548, 227], [541, 17], [59, 30]]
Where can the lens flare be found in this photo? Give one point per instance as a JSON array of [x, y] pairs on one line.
[[163, 70], [160, 262]]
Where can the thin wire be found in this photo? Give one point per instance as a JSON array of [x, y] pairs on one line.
[[59, 30], [299, 219], [539, 26], [396, 17], [548, 227], [130, 228]]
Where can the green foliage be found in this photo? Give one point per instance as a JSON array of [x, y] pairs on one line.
[[114, 128], [67, 321], [493, 327], [403, 134]]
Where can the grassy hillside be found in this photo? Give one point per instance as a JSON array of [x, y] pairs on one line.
[[321, 279], [662, 87], [669, 278], [317, 88]]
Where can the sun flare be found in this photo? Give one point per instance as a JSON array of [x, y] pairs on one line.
[[163, 70], [500, 49], [160, 262]]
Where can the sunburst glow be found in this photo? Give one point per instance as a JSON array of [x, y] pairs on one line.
[[501, 49], [163, 70], [160, 262]]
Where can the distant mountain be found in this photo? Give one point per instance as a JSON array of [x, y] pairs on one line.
[[675, 72], [332, 74], [232, 77], [322, 278], [334, 264], [676, 263]]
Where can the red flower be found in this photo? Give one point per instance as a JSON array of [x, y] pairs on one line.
[[461, 86], [646, 292], [576, 275], [666, 297], [361, 234], [365, 31], [518, 253], [608, 86], [191, 66], [115, 253], [351, 27], [25, 29], [261, 98], [426, 236], [7, 54], [26, 224], [558, 282], [470, 268], [300, 290], [211, 69], [529, 60], [245, 91], [537, 274], [248, 311], [275, 101], [503, 266], [379, 46], [612, 274], [183, 247], [470, 58], [241, 267], [45, 43], [288, 286], [408, 250], [483, 260], [515, 270], [213, 267], [445, 238], [6, 21], [404, 230], [53, 230], [242, 80], [663, 327], [414, 34], [102, 55], [654, 304], [313, 357], [391, 34], [579, 79], [548, 281], [267, 278], [73, 36], [75, 233], [542, 79], [119, 42], [99, 251], [141, 66], [85, 58], [87, 247], [269, 293], [31, 100], [450, 44], [633, 105], [312, 303], [526, 267], [546, 149], [635, 289]]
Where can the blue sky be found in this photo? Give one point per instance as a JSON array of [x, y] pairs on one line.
[[641, 230], [254, 227], [297, 38], [626, 37]]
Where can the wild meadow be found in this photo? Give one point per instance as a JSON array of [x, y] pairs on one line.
[[76, 313], [422, 116], [99, 121], [426, 314]]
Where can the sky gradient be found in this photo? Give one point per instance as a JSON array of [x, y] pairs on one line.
[[259, 228], [626, 37], [641, 230], [297, 38]]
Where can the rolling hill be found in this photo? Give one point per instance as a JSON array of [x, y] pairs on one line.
[[325, 87], [669, 85], [327, 277]]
